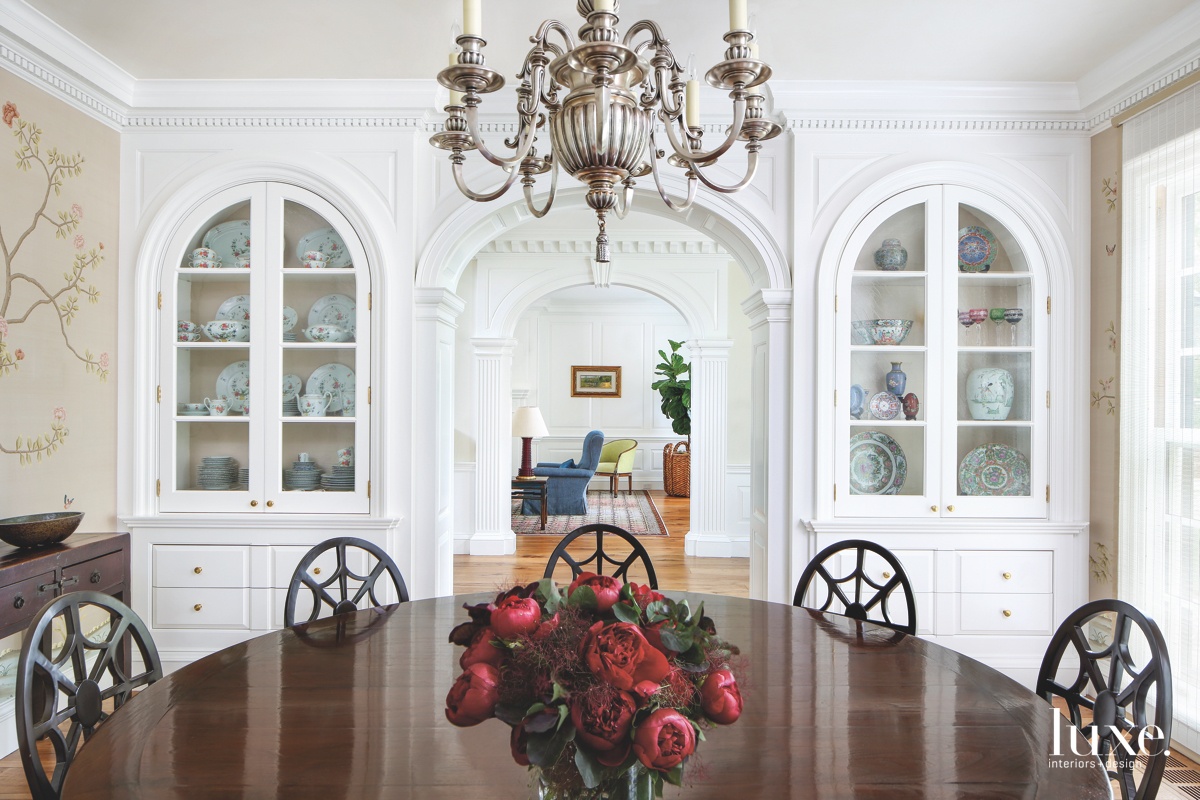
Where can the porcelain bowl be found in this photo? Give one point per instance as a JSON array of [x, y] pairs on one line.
[[38, 530], [193, 408], [890, 331], [225, 330], [327, 333]]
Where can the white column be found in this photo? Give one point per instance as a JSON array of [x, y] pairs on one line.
[[493, 534], [772, 573], [431, 569], [709, 448]]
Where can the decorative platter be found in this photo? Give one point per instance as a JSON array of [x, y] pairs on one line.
[[994, 470], [236, 307], [229, 240], [328, 242], [884, 405], [292, 386], [877, 464], [332, 378], [234, 383], [334, 309], [977, 249], [289, 318]]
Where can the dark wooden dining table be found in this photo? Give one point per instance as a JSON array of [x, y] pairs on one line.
[[353, 707]]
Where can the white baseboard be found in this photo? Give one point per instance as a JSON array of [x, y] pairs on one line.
[[498, 543], [716, 545]]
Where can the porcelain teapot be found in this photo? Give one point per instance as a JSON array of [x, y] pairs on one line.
[[314, 405]]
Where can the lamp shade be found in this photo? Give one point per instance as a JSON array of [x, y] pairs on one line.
[[527, 423]]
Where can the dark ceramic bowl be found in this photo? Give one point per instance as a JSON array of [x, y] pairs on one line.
[[38, 530]]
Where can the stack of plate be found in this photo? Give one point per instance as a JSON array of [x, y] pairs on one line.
[[217, 472], [288, 336], [304, 476], [243, 482], [291, 407], [342, 479]]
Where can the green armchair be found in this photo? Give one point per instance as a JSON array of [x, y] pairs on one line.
[[616, 462]]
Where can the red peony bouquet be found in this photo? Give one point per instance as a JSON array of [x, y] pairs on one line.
[[607, 687]]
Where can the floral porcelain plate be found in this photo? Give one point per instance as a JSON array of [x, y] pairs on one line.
[[334, 309], [289, 318], [236, 307], [292, 386], [994, 470], [328, 242], [977, 249], [877, 464], [230, 240], [234, 383], [884, 405], [332, 378]]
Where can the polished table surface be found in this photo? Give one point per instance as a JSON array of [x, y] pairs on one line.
[[353, 708]]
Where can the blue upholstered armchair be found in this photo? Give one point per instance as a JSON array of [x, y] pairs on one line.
[[566, 491]]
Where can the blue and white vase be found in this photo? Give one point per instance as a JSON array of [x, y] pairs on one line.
[[896, 379], [857, 398], [891, 256]]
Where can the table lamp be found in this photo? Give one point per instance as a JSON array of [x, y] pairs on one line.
[[527, 423]]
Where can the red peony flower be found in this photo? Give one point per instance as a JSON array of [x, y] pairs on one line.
[[482, 651], [473, 697], [720, 697], [681, 687], [619, 654], [607, 589], [10, 113], [664, 740], [514, 616], [602, 724], [518, 740], [644, 595], [655, 638], [546, 627]]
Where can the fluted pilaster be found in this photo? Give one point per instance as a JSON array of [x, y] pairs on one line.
[[709, 447], [493, 533]]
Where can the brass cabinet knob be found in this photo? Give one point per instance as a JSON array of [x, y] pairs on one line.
[[887, 575], [270, 504], [933, 509], [198, 570], [950, 509], [1007, 613], [1008, 576], [197, 607], [316, 570], [254, 504]]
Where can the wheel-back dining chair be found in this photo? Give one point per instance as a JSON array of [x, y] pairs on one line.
[[1111, 660], [597, 558], [62, 687], [616, 462], [308, 576], [856, 594]]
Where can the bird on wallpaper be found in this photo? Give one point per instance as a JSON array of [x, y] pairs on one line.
[[67, 502]]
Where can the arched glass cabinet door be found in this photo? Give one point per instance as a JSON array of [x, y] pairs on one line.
[[265, 357]]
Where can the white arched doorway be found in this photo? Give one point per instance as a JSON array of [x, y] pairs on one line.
[[463, 232]]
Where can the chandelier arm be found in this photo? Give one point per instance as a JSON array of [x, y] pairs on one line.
[[662, 192], [549, 200], [739, 118], [481, 198], [649, 25], [523, 145], [551, 26], [624, 200], [751, 168], [672, 102]]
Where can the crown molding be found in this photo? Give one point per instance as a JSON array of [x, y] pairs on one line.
[[548, 243]]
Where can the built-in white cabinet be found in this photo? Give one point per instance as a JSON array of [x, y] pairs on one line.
[[938, 422]]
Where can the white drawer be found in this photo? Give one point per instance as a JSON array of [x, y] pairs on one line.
[[181, 566], [1006, 613], [918, 565], [1006, 571], [201, 608], [285, 559]]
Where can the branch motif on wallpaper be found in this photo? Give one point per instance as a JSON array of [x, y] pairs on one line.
[[60, 297], [1101, 563], [1108, 188], [1104, 398]]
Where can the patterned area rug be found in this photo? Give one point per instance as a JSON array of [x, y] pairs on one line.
[[633, 511]]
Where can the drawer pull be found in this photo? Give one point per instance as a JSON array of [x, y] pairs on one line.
[[1007, 613], [1008, 576], [270, 504], [887, 575], [254, 504], [18, 602], [95, 578], [933, 509], [950, 509], [316, 570], [197, 607], [198, 570]]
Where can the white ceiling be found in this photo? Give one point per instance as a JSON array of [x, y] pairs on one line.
[[917, 40]]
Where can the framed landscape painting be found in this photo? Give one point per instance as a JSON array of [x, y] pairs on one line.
[[595, 381]]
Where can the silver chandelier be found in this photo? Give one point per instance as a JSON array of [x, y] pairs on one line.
[[600, 95]]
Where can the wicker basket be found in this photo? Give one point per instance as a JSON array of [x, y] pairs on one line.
[[677, 470]]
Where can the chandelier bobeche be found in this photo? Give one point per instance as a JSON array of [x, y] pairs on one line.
[[599, 96]]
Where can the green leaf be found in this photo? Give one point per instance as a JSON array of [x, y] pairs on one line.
[[590, 769], [583, 597], [673, 639], [559, 692], [544, 749], [674, 344], [675, 776], [626, 613]]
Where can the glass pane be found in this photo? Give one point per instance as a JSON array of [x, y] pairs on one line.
[[212, 453], [997, 310], [888, 310], [887, 459], [896, 245], [994, 386], [986, 246], [318, 454], [993, 460], [898, 374]]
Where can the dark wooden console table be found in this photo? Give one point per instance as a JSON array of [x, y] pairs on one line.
[[532, 489], [32, 577]]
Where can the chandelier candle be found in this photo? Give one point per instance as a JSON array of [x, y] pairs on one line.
[[597, 97]]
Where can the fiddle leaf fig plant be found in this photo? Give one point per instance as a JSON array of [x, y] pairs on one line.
[[676, 392]]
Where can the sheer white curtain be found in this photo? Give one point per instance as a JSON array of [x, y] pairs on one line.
[[1159, 530]]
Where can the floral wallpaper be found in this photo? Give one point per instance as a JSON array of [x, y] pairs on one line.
[[1105, 359], [58, 314]]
